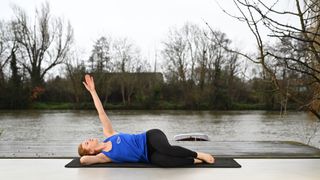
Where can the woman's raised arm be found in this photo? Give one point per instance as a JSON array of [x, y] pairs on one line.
[[107, 126]]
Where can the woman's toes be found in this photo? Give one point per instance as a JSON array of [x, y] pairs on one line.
[[212, 160], [208, 158]]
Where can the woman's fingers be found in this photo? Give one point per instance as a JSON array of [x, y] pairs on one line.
[[89, 84], [92, 82], [85, 85], [92, 79], [87, 77]]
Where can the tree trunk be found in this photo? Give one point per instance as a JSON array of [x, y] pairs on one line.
[[123, 94]]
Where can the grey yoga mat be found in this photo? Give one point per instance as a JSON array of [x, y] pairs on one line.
[[219, 163]]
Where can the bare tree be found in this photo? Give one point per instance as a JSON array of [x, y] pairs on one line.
[[194, 61], [125, 54], [75, 70], [175, 54], [43, 44], [202, 46], [232, 70], [192, 35], [127, 60], [6, 47], [303, 38]]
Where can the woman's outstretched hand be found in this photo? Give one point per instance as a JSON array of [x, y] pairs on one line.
[[89, 84]]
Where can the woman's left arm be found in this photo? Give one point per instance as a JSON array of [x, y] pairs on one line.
[[106, 123]]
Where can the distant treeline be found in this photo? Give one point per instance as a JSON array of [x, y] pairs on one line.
[[141, 91], [199, 72]]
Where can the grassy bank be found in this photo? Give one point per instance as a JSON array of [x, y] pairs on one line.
[[133, 106], [42, 105]]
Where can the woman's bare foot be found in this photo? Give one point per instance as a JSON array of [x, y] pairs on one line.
[[197, 161], [208, 158]]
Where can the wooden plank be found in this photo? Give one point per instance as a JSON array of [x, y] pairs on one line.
[[236, 149]]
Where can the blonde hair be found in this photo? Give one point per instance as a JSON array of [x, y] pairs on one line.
[[82, 151]]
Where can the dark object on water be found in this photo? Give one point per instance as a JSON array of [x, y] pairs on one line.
[[191, 137]]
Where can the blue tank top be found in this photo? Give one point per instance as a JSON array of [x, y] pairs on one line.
[[128, 148]]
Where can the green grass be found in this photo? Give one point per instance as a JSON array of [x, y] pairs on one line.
[[51, 105], [160, 105], [243, 106]]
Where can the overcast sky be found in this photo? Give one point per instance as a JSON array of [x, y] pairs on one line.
[[145, 22]]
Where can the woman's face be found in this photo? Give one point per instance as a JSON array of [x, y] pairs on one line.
[[90, 145]]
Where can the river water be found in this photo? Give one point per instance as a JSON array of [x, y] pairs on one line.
[[73, 126]]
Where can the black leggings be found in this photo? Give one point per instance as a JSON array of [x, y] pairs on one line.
[[161, 153]]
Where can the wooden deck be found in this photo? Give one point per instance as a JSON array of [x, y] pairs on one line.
[[256, 149], [235, 149]]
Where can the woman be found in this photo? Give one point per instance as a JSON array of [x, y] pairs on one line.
[[151, 146]]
